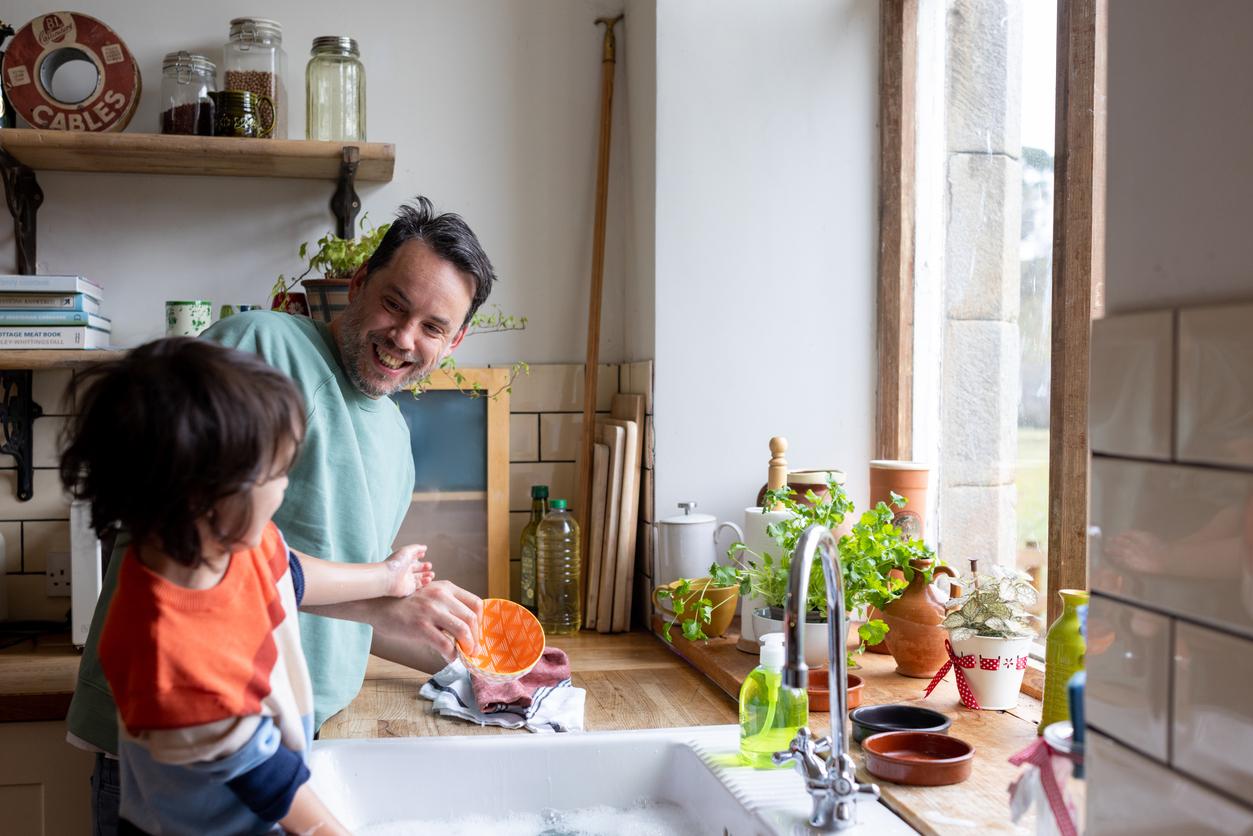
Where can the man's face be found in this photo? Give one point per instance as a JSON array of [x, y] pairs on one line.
[[403, 320]]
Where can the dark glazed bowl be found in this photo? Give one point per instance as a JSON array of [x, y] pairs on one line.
[[872, 719], [922, 759]]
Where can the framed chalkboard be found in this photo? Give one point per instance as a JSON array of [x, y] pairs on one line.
[[460, 448]]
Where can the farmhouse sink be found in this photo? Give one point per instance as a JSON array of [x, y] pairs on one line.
[[510, 783]]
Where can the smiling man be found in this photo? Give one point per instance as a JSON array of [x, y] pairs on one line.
[[351, 485]]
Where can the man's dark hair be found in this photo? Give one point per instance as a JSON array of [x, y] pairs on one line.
[[448, 235], [179, 430]]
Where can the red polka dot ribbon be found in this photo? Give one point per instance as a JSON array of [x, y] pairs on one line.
[[1040, 755], [963, 684]]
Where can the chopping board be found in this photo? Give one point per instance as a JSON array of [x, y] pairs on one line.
[[624, 565], [631, 408], [614, 438], [594, 545]]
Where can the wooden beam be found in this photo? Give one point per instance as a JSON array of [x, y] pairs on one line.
[[898, 58], [1078, 267]]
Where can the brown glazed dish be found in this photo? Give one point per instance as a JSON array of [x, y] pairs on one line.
[[820, 697], [923, 759]]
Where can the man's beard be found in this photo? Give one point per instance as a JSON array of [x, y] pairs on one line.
[[356, 347]]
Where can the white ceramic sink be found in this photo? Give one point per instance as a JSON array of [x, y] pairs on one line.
[[367, 782]]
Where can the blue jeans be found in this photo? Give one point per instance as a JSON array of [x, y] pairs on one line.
[[106, 796]]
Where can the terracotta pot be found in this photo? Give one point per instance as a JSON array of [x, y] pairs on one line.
[[909, 479], [723, 599], [915, 638]]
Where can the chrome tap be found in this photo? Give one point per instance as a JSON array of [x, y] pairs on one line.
[[830, 776]]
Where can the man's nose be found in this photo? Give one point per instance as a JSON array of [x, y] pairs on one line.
[[405, 335]]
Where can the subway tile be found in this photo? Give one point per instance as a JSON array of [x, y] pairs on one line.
[[559, 388], [27, 600], [1128, 664], [558, 476], [1128, 794], [1132, 369], [637, 379], [1174, 538], [41, 537], [1216, 385], [12, 533], [523, 438], [49, 390], [560, 435], [1213, 722], [48, 503]]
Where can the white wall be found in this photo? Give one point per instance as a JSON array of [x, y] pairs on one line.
[[765, 243], [493, 108], [1178, 193]]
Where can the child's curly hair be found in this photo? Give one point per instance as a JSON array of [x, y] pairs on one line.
[[179, 430]]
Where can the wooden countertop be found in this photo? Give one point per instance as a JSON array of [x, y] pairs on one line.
[[37, 678]]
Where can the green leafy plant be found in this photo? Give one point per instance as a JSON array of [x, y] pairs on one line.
[[693, 614], [996, 605]]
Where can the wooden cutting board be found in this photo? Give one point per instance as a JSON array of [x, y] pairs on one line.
[[614, 438], [631, 408], [594, 544], [624, 567]]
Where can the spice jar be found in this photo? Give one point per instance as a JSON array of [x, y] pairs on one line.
[[186, 82], [242, 114], [335, 91], [253, 61]]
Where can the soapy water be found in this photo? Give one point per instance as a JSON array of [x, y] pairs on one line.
[[643, 819]]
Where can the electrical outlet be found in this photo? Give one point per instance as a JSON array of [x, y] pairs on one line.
[[57, 579]]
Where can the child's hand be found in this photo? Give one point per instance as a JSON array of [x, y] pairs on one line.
[[407, 571]]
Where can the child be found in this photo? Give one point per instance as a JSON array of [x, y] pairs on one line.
[[187, 445]]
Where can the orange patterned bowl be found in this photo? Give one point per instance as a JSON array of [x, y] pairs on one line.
[[511, 641]]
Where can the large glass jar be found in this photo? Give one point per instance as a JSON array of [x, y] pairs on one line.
[[187, 80], [335, 91], [253, 61]]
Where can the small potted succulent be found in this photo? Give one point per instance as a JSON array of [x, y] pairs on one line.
[[991, 627]]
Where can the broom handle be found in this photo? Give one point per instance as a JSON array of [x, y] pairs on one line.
[[598, 274]]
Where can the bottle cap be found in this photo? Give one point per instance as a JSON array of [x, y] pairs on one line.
[[539, 492], [772, 653], [557, 505]]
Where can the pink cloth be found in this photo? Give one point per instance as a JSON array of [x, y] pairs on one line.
[[551, 669]]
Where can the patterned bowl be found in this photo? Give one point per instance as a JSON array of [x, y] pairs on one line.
[[511, 641]]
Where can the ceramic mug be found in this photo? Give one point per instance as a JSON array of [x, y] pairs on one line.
[[187, 319]]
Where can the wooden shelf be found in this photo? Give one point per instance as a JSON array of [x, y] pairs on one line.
[[136, 153], [39, 358]]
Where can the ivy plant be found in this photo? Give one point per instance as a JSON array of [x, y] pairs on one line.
[[997, 605]]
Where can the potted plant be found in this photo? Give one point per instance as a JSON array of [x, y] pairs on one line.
[[990, 628], [868, 554], [703, 607]]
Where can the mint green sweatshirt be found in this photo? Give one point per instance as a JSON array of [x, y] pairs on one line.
[[348, 494]]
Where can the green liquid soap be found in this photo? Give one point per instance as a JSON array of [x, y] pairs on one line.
[[770, 713]]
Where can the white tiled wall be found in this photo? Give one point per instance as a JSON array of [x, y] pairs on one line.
[[1170, 630]]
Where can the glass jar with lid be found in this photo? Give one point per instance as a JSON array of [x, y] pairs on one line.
[[253, 61], [187, 80], [335, 91]]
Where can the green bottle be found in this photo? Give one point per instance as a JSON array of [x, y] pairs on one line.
[[539, 507], [770, 712], [1063, 657]]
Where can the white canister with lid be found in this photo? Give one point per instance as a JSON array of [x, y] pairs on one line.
[[687, 545]]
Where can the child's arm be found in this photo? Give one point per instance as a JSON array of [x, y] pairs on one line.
[[308, 815], [329, 582]]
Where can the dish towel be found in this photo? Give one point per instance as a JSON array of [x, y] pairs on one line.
[[542, 701]]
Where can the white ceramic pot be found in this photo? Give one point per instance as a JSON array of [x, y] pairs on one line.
[[815, 635], [997, 670]]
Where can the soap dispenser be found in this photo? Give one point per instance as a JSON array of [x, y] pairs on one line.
[[770, 712]]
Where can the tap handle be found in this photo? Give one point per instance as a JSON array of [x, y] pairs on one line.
[[871, 790], [804, 751]]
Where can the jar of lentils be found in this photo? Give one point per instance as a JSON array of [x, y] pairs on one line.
[[187, 80], [335, 91], [253, 61]]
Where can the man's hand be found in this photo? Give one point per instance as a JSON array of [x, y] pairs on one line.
[[407, 571]]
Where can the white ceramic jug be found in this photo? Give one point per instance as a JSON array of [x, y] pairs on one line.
[[758, 541], [687, 545]]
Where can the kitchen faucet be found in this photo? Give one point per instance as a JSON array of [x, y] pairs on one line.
[[832, 782]]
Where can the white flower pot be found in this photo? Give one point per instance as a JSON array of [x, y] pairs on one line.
[[995, 675], [815, 635]]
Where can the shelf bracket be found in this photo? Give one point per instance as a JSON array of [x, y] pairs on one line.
[[345, 203], [24, 196], [17, 414]]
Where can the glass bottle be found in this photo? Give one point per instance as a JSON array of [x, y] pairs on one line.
[[557, 562], [539, 507], [253, 61], [335, 91], [770, 712], [187, 80], [1063, 657]]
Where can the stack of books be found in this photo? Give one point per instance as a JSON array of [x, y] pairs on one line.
[[51, 312]]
